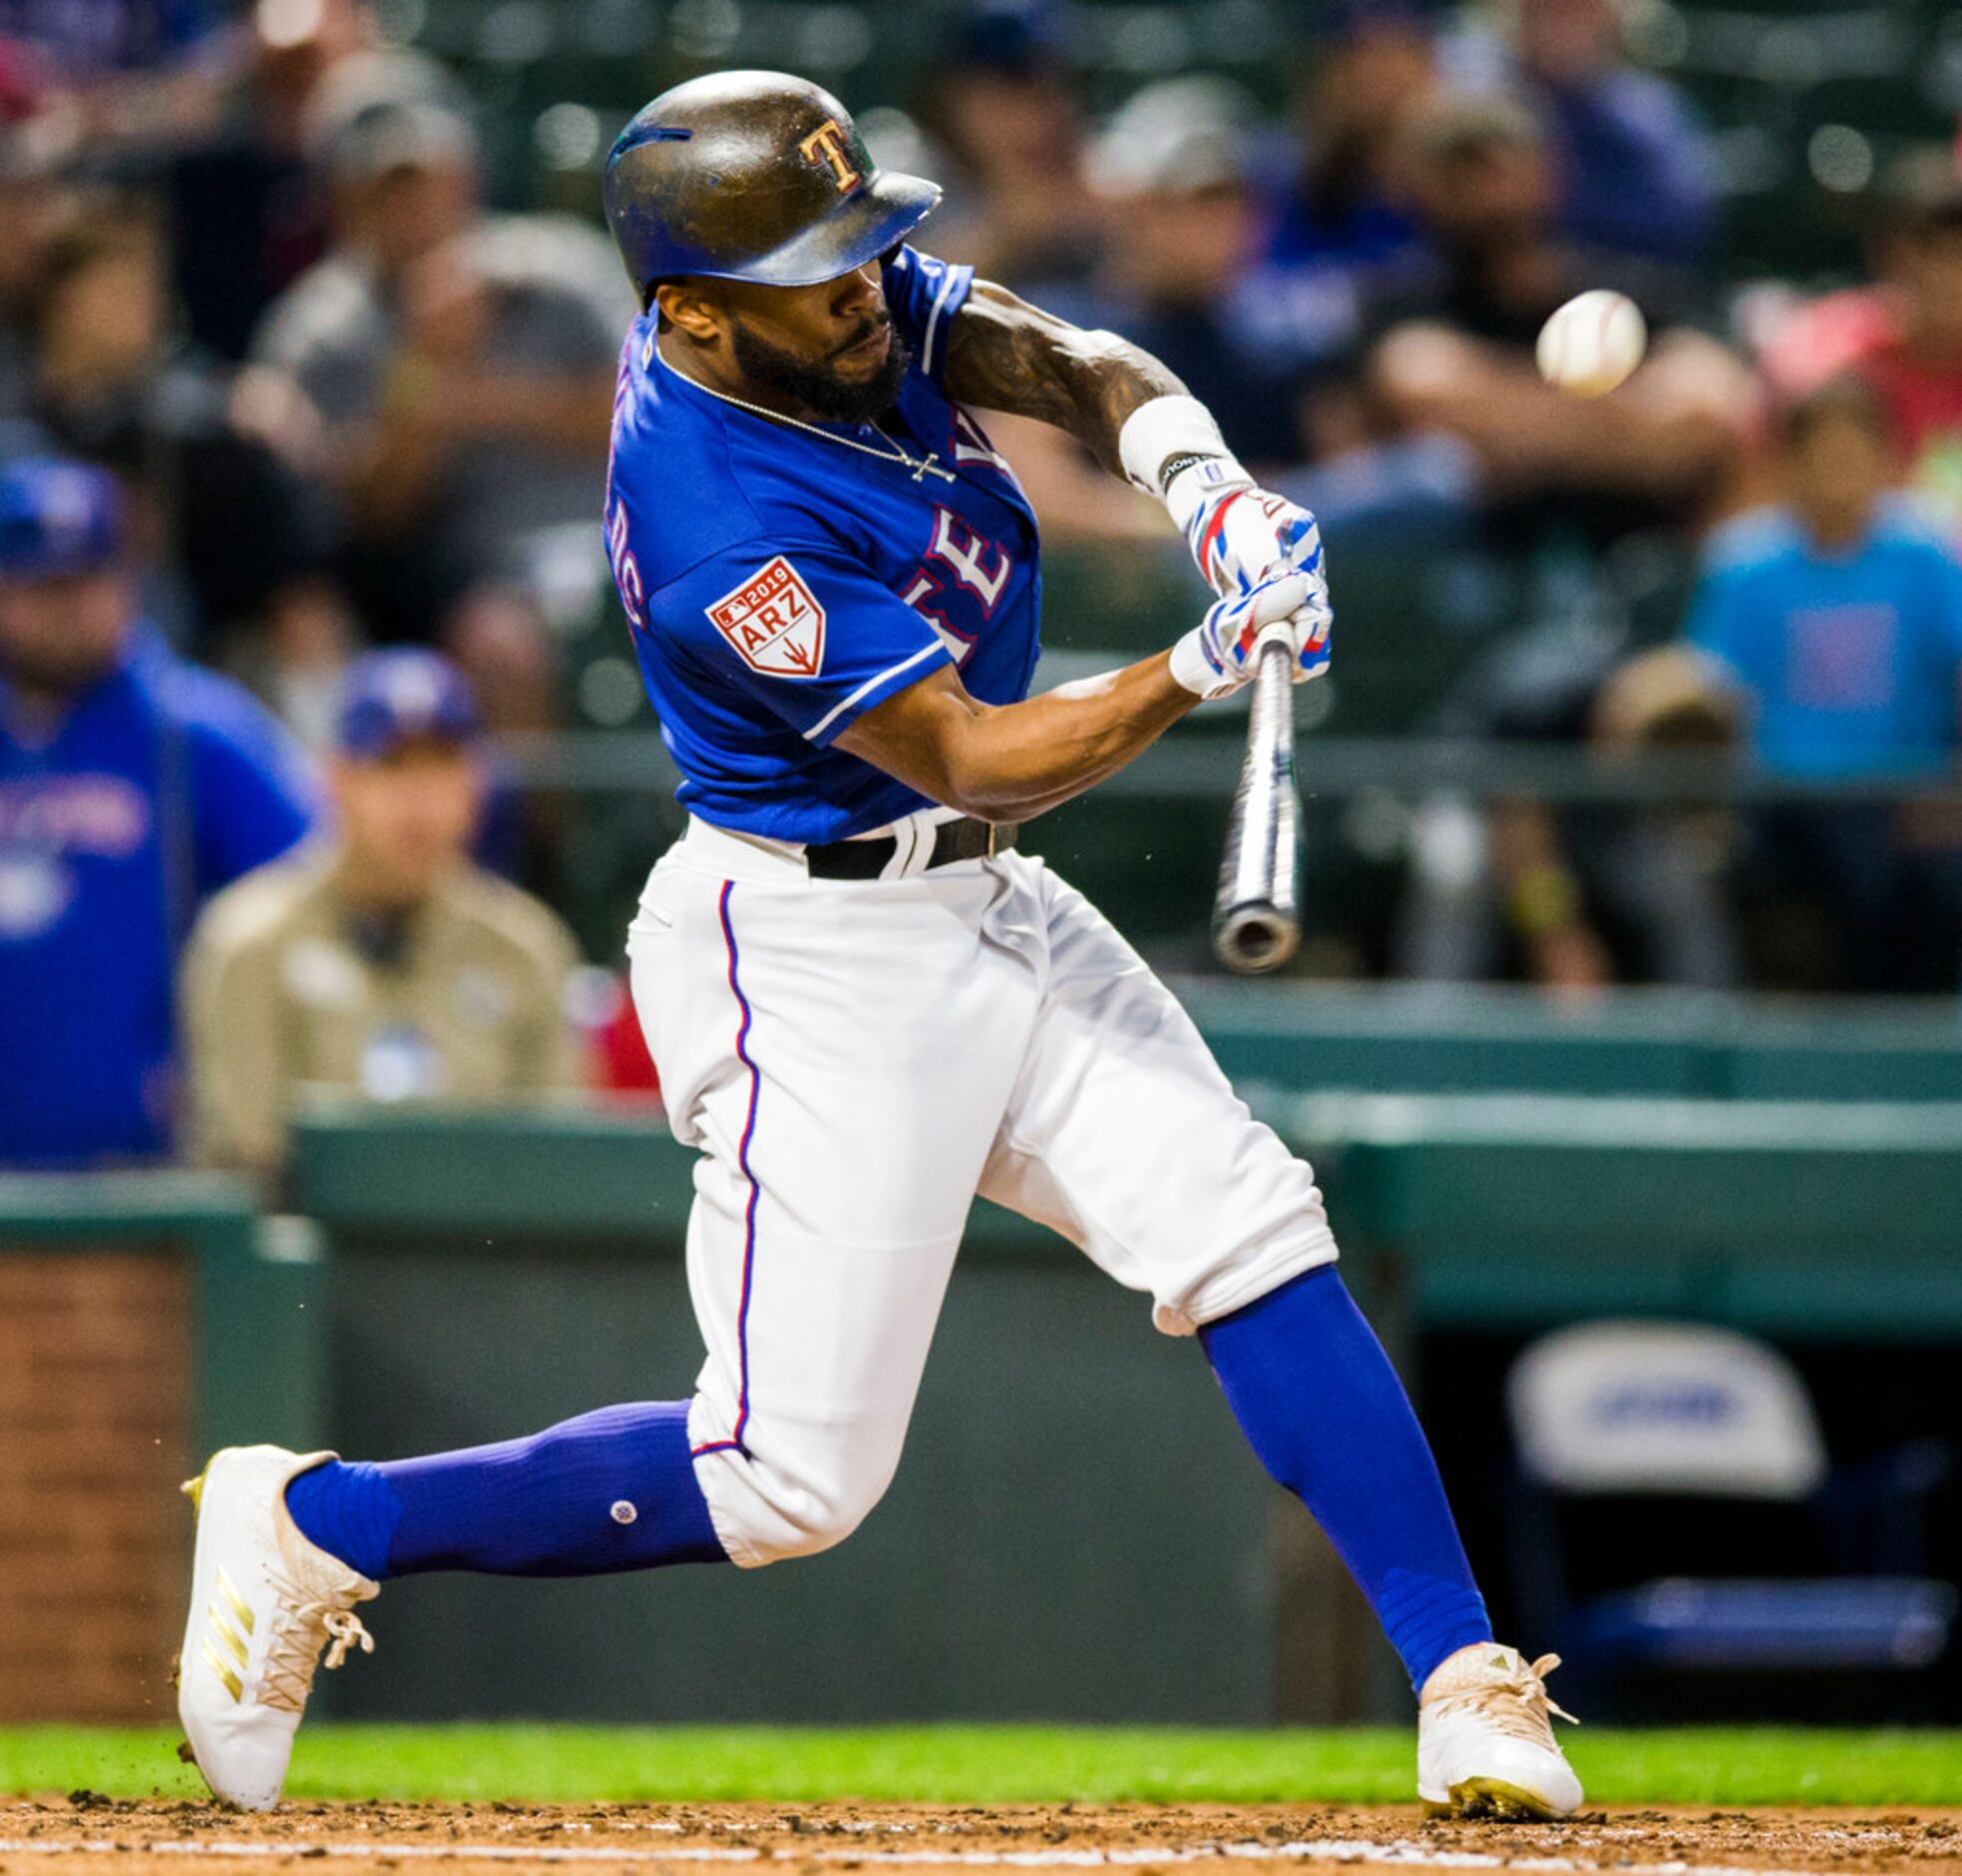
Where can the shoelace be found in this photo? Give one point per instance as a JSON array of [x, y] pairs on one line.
[[301, 1625], [1522, 1707]]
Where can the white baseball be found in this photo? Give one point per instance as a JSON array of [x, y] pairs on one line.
[[1591, 344]]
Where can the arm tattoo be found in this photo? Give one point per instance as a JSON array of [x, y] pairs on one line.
[[1006, 355]]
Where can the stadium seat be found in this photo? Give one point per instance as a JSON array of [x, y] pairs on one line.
[[1711, 1439]]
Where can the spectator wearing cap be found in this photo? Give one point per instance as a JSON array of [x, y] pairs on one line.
[[1576, 896], [1174, 167], [382, 964], [132, 788], [450, 374], [1003, 107], [1176, 163]]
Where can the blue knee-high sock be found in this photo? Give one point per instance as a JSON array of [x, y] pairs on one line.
[[610, 1491], [1319, 1401]]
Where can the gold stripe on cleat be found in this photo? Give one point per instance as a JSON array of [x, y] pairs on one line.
[[240, 1607], [234, 1641], [223, 1670]]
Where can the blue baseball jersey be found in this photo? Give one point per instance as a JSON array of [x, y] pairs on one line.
[[163, 783], [779, 584]]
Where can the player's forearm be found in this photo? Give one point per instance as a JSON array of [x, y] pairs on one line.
[[1011, 763], [1005, 355], [1053, 746]]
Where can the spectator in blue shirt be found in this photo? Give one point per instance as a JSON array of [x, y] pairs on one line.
[[1838, 612], [132, 788], [1838, 618]]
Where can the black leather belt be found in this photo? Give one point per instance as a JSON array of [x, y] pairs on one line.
[[966, 840]]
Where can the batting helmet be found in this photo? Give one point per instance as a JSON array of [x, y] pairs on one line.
[[753, 176]]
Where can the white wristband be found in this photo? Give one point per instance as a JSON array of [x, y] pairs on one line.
[[1166, 426], [1192, 487], [1192, 668]]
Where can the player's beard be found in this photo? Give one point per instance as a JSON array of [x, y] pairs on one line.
[[816, 383]]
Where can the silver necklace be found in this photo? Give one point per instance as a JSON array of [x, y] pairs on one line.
[[929, 466]]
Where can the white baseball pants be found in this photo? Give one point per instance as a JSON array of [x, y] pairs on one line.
[[855, 1061]]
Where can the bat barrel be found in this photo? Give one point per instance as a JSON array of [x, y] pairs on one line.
[[1255, 913]]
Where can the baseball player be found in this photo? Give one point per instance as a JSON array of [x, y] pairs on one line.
[[865, 1005]]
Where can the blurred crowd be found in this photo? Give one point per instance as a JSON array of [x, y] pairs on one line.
[[301, 438], [1357, 290]]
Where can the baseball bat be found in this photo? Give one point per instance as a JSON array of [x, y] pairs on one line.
[[1255, 913]]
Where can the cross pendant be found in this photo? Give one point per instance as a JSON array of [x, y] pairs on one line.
[[931, 466]]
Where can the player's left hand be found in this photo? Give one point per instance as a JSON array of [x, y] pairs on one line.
[[1220, 653], [1298, 541], [1243, 536]]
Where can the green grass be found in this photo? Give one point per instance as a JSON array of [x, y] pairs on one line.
[[992, 1764]]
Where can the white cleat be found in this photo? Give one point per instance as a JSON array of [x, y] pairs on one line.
[[1484, 1739], [264, 1601]]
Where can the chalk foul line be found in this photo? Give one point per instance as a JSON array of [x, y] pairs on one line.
[[1408, 1852]]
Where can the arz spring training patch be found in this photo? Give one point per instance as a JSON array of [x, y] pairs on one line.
[[774, 621]]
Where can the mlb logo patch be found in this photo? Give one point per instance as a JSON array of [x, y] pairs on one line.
[[773, 621]]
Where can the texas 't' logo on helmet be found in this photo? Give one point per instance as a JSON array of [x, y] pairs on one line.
[[826, 144]]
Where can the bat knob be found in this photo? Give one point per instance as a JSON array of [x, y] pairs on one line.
[[1255, 938]]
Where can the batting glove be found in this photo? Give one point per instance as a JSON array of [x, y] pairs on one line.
[[1220, 653], [1240, 535]]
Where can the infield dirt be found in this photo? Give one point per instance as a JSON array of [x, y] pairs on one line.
[[86, 1834]]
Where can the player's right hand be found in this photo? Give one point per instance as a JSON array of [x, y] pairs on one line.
[[1220, 653]]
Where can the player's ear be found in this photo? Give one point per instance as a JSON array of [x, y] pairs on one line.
[[684, 305]]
